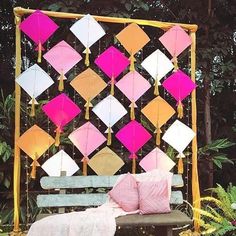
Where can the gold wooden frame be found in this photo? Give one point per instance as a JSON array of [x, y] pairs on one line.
[[191, 28]]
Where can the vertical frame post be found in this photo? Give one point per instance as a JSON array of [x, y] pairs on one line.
[[17, 163], [195, 181]]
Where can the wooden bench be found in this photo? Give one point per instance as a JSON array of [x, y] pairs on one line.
[[60, 199]]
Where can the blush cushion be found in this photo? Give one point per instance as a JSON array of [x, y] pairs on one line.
[[153, 197], [125, 193]]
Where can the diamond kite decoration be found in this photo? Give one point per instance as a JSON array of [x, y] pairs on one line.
[[62, 57], [157, 65], [112, 62], [61, 110], [179, 85], [34, 81], [58, 163], [39, 27], [88, 84], [106, 162], [88, 31], [34, 142], [86, 138], [175, 40], [133, 136], [179, 135], [133, 38], [156, 159], [133, 85], [158, 112], [110, 111]]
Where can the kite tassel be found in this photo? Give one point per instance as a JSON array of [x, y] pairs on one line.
[[176, 67], [180, 166], [180, 110], [39, 53], [156, 88], [85, 165], [87, 110], [34, 167], [57, 138], [132, 60], [61, 83], [109, 137], [158, 137], [112, 86], [134, 165], [87, 57], [32, 112], [132, 112]]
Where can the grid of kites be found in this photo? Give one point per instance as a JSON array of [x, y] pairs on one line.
[[61, 110]]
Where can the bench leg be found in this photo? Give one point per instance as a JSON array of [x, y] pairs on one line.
[[169, 231], [163, 231]]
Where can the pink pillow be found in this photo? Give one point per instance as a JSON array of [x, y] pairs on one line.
[[153, 197], [125, 193]]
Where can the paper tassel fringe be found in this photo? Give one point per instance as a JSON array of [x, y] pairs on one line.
[[132, 60], [156, 88], [32, 112], [34, 166], [39, 53], [87, 110], [87, 57], [132, 112], [133, 165], [61, 83], [109, 137], [176, 64], [57, 138], [180, 166], [33, 171], [85, 163], [112, 86], [158, 137], [180, 110]]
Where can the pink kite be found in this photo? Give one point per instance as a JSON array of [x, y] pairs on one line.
[[87, 138], [133, 85], [39, 27], [175, 40], [133, 136], [62, 57], [61, 110], [179, 85], [156, 159], [112, 62]]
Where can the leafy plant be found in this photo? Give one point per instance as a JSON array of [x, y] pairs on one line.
[[213, 151], [219, 213]]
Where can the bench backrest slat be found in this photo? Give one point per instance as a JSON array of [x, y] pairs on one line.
[[91, 199], [90, 181]]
